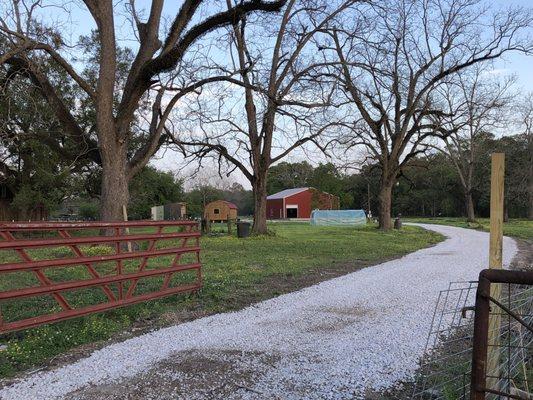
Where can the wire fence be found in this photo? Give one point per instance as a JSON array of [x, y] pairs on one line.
[[446, 369]]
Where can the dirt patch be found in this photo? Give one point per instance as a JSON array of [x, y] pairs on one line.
[[401, 394], [179, 316], [349, 311], [524, 258], [288, 283], [330, 326], [339, 318], [190, 375]]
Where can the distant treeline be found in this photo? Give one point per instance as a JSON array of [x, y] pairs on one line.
[[429, 187]]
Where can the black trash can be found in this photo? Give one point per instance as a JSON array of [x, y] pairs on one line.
[[243, 229], [398, 222]]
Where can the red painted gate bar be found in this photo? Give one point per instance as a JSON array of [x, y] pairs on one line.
[[120, 286]]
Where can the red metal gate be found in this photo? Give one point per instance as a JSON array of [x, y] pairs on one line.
[[132, 262]]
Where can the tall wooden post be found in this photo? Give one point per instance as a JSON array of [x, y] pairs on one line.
[[495, 261]]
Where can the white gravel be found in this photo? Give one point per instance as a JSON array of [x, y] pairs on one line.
[[365, 330]]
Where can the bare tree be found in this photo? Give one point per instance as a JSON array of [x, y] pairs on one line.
[[526, 121], [284, 97], [155, 77], [392, 55], [206, 179], [475, 104]]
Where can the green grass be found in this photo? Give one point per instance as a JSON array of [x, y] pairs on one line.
[[236, 272], [519, 228]]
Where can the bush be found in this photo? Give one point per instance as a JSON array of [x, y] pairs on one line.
[[89, 211]]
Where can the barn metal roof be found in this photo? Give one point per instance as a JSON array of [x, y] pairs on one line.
[[231, 205], [286, 193]]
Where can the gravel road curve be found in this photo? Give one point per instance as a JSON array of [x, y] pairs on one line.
[[339, 339]]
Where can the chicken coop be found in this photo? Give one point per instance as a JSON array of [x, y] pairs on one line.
[[220, 211]]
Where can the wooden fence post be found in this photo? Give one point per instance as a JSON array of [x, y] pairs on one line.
[[127, 230], [495, 261]]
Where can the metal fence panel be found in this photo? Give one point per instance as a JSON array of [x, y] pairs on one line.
[[49, 267], [455, 364]]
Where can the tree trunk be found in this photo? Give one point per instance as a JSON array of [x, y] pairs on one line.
[[469, 207], [530, 216], [115, 191], [260, 215], [22, 214], [385, 201], [505, 212], [530, 181]]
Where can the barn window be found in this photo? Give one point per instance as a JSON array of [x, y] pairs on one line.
[[216, 211]]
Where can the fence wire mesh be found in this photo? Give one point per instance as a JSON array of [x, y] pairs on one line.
[[511, 346], [445, 370]]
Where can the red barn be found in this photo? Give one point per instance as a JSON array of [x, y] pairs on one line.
[[299, 202]]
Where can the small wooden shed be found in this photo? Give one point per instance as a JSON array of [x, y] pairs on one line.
[[220, 211]]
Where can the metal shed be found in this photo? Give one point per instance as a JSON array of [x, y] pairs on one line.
[[299, 202], [169, 212]]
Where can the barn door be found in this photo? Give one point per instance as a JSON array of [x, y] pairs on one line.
[[292, 211]]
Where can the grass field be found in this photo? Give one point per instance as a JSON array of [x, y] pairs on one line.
[[519, 228], [237, 272]]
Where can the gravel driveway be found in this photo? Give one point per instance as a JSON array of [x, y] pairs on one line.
[[339, 339]]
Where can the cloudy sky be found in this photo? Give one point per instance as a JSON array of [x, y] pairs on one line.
[[513, 64]]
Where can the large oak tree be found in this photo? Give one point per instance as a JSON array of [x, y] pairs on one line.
[[157, 75]]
